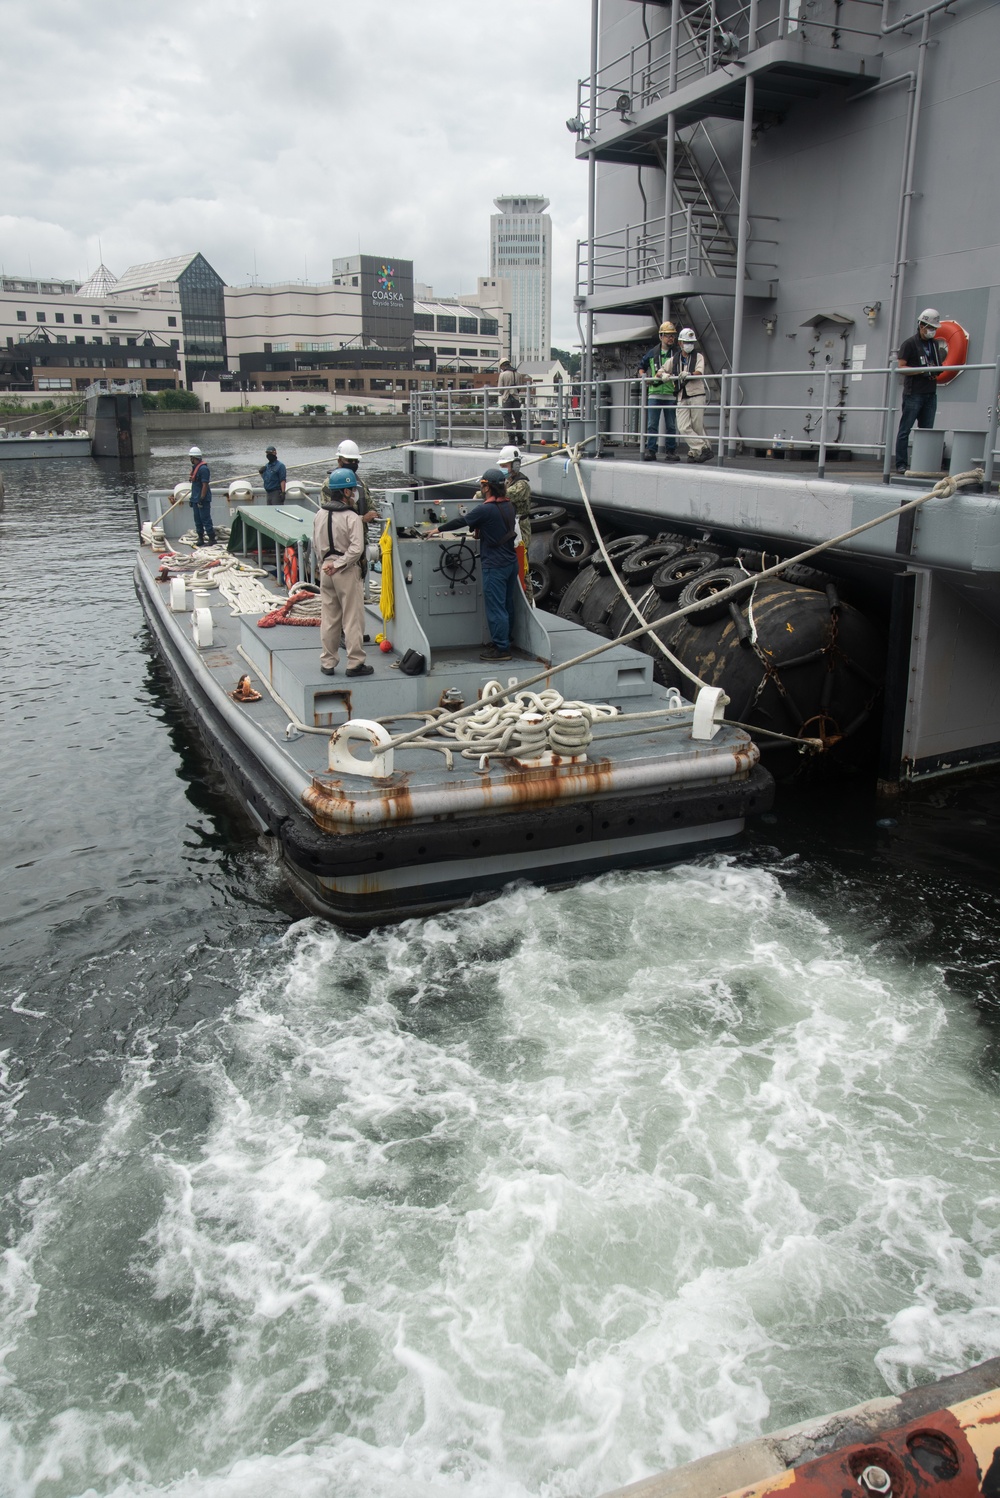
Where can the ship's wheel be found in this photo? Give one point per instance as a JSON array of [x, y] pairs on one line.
[[457, 563]]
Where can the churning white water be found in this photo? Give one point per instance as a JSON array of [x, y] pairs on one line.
[[530, 1199]]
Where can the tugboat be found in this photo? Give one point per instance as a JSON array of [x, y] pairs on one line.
[[429, 783]]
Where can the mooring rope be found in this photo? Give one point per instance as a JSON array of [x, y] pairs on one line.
[[944, 489]]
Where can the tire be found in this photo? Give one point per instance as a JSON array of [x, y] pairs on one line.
[[702, 590], [572, 544], [645, 560], [545, 517], [575, 595], [806, 577], [541, 580], [618, 550], [672, 575]]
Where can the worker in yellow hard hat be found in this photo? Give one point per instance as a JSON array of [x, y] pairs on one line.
[[659, 369]]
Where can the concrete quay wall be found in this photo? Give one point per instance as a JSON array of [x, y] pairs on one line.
[[221, 421]]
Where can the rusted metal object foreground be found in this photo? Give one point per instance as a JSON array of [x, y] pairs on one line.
[[939, 1441]]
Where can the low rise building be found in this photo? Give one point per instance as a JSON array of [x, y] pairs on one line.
[[61, 336]]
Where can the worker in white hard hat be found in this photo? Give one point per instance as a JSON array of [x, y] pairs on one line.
[[510, 402], [691, 395], [918, 355], [201, 497], [518, 491], [349, 456], [659, 370]]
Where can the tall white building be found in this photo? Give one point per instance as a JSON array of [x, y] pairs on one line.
[[521, 253]]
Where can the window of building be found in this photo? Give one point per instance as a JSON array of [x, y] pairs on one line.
[[61, 338], [469, 353], [447, 350], [114, 339], [78, 317], [95, 318], [98, 340], [489, 327], [447, 324], [22, 317], [354, 280], [468, 325], [130, 341], [60, 317], [79, 338], [175, 343], [39, 316], [355, 384], [112, 317], [171, 322], [423, 322], [487, 353], [54, 384], [379, 384], [268, 349], [134, 363], [340, 384]]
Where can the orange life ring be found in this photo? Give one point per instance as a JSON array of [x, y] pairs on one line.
[[291, 567], [956, 342]]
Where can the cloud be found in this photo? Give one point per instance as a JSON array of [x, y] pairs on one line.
[[275, 136]]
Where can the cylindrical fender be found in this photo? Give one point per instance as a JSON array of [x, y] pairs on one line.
[[956, 341]]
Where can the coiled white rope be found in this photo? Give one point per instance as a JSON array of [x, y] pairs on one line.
[[535, 720]]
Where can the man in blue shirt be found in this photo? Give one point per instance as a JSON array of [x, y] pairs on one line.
[[201, 497], [918, 356], [494, 520], [274, 475]]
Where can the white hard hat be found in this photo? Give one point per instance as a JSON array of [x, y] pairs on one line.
[[194, 452], [348, 449], [688, 335], [509, 454], [931, 316]]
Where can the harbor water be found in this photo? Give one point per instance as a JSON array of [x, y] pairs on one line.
[[528, 1199]]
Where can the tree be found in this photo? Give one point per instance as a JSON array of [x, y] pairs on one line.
[[570, 362]]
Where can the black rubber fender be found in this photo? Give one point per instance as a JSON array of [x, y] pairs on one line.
[[702, 588], [645, 560], [573, 543], [672, 576], [618, 550], [544, 517], [541, 581]]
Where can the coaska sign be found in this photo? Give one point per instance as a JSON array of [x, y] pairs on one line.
[[385, 290]]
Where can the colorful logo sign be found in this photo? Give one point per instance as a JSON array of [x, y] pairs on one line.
[[385, 280], [385, 286]]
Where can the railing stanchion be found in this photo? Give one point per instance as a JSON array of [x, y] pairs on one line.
[[890, 409], [991, 434], [821, 471]]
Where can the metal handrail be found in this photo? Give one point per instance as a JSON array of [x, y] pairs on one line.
[[706, 46], [478, 416]]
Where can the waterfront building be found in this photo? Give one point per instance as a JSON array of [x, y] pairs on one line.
[[198, 291], [795, 184], [58, 337], [521, 252], [455, 333]]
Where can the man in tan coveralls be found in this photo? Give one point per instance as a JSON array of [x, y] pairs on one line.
[[339, 540]]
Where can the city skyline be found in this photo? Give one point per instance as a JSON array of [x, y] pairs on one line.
[[124, 175]]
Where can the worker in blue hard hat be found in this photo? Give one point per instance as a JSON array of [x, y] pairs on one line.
[[495, 523], [339, 542]]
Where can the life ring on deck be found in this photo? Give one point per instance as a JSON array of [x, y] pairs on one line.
[[956, 342], [290, 569]]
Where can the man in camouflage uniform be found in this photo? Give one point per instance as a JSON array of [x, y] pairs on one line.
[[518, 491]]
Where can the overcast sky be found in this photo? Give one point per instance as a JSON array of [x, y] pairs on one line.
[[289, 130]]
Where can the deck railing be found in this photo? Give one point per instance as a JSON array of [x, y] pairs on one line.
[[834, 410]]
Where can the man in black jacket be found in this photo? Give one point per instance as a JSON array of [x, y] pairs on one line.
[[917, 356], [494, 520]]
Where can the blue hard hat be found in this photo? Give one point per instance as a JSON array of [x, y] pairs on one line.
[[342, 478], [495, 477]]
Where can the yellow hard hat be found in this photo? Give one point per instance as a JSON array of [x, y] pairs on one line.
[[667, 327]]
